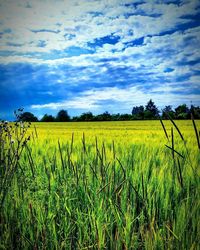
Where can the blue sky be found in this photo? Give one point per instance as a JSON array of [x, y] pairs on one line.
[[98, 55]]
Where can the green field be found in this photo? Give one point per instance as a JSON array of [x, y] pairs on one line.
[[101, 185]]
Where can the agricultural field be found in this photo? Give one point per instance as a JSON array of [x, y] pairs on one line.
[[100, 185]]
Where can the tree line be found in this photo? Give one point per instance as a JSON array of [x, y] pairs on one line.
[[148, 112]]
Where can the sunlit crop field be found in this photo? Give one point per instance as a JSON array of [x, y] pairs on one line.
[[105, 185], [127, 133]]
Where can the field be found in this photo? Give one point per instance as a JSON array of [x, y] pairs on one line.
[[101, 185]]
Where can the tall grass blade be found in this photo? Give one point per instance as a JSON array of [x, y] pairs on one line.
[[30, 158], [196, 132], [143, 191], [175, 126], [61, 156], [172, 135], [174, 151], [164, 129], [72, 143], [180, 173], [100, 190], [124, 172], [83, 142]]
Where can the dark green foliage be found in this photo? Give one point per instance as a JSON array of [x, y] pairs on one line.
[[168, 111], [196, 131], [27, 117], [125, 117], [138, 113], [182, 112], [48, 118], [116, 117], [195, 112], [88, 116], [151, 111], [76, 119], [103, 117], [62, 116]]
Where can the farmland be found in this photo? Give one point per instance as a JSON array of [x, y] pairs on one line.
[[103, 185]]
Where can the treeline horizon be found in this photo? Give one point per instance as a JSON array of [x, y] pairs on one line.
[[148, 112]]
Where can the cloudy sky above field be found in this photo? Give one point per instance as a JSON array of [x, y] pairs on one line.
[[98, 55]]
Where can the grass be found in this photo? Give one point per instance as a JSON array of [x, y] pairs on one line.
[[104, 185]]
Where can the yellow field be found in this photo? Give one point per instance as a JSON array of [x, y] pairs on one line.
[[133, 131], [123, 133]]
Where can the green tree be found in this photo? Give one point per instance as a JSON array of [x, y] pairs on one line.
[[115, 117], [125, 117], [168, 111], [195, 111], [62, 116], [151, 111], [138, 112], [27, 117], [104, 117], [88, 116], [182, 112], [48, 118], [76, 119]]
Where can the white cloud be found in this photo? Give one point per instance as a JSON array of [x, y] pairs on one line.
[[121, 100], [77, 19]]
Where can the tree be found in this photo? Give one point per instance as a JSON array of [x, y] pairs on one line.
[[125, 117], [151, 111], [104, 117], [115, 117], [88, 116], [168, 111], [195, 111], [138, 112], [76, 119], [182, 112], [48, 118], [62, 116], [27, 117]]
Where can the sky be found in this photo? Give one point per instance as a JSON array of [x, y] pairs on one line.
[[98, 55]]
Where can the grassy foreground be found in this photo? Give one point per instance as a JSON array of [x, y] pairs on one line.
[[100, 185]]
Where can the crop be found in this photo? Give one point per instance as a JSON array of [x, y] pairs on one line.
[[109, 185]]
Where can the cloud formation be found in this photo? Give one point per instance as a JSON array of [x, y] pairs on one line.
[[98, 55]]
